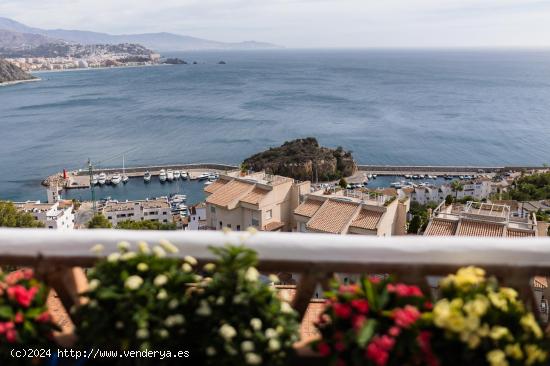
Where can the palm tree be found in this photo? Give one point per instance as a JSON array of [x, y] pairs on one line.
[[457, 186]]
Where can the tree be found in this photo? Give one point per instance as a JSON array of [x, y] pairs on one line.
[[99, 221], [415, 224], [457, 186], [11, 217], [145, 225], [343, 183], [448, 200]]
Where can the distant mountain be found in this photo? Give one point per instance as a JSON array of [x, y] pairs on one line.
[[10, 72], [16, 40], [156, 41]]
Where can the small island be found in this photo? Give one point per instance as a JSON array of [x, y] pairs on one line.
[[11, 74], [174, 61], [304, 159]]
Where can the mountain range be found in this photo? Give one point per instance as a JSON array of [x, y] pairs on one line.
[[17, 35]]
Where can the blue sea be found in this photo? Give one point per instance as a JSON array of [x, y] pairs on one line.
[[388, 106]]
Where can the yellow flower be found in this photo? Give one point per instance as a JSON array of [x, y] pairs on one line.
[[465, 277], [473, 341], [497, 358], [534, 354], [456, 322], [478, 306], [529, 323], [514, 351], [498, 332], [441, 312], [498, 301], [471, 323], [509, 293], [484, 330]]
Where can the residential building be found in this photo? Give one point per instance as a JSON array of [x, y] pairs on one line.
[[197, 217], [263, 201], [352, 212], [477, 189], [57, 215], [155, 210]]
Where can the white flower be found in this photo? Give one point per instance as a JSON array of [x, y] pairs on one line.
[[123, 246], [252, 230], [186, 267], [191, 260], [286, 308], [238, 299], [270, 333], [172, 320], [280, 329], [173, 304], [133, 282], [113, 257], [247, 346], [93, 284], [252, 274], [210, 351], [198, 278], [119, 325], [274, 345], [247, 333], [142, 333], [162, 295], [159, 252], [273, 278], [209, 267], [143, 247], [160, 280], [227, 332], [93, 303], [142, 267], [220, 300], [204, 309], [253, 359], [169, 247], [97, 249], [256, 323], [163, 333], [127, 255]]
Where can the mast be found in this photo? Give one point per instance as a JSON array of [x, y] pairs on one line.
[[91, 172]]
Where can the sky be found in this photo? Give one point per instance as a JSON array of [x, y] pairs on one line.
[[305, 23]]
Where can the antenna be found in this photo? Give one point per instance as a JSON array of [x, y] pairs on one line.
[[92, 186]]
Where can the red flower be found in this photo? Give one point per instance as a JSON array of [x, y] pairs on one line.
[[23, 296], [19, 318], [386, 342], [394, 331], [350, 289], [11, 335], [342, 310], [340, 346], [358, 321], [377, 354], [424, 343], [45, 317], [428, 305], [374, 280], [406, 316], [323, 349], [403, 290], [361, 305]]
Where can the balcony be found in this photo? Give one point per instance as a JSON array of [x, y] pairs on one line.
[[314, 257]]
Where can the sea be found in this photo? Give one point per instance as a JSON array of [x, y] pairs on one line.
[[417, 107]]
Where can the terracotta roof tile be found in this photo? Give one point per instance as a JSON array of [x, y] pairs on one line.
[[476, 228], [540, 282], [255, 197], [514, 233], [215, 186], [274, 225], [314, 309], [308, 207], [229, 193], [439, 227], [333, 216], [367, 219]]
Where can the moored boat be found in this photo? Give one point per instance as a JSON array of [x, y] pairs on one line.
[[162, 175], [147, 177], [102, 178], [170, 175], [94, 180], [177, 174], [116, 179]]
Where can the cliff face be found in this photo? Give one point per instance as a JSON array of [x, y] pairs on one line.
[[10, 72], [304, 159]]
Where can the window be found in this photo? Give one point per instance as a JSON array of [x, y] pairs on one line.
[[221, 225], [212, 209], [255, 222], [268, 214], [238, 227], [229, 226]]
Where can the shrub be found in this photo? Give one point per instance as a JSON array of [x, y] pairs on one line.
[[99, 221], [24, 317], [481, 323], [239, 319], [374, 322], [136, 300]]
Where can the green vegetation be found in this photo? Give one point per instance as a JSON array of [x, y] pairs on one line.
[[99, 222], [145, 225], [530, 188], [11, 217], [457, 186], [343, 183], [420, 217]]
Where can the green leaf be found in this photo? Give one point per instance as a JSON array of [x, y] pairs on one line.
[[34, 312], [366, 332], [371, 296], [6, 312]]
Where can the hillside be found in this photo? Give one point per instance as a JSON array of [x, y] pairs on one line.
[[156, 41], [304, 159], [18, 41], [10, 72]]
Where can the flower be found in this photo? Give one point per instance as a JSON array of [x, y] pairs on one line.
[[406, 316], [273, 345], [186, 267], [123, 246], [19, 318], [21, 295], [270, 333], [113, 257], [133, 282], [169, 247], [142, 333], [377, 354], [253, 359], [160, 280], [286, 308], [498, 332], [159, 252], [128, 255], [529, 323], [204, 309], [191, 260], [497, 358], [273, 278], [247, 346], [360, 305], [342, 310], [162, 295], [209, 267], [403, 290], [252, 274], [256, 323], [324, 349], [172, 320], [97, 249], [210, 351], [172, 304], [143, 247], [534, 354], [93, 284], [358, 321], [142, 267], [227, 332]]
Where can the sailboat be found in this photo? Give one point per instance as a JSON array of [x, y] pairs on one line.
[[124, 176]]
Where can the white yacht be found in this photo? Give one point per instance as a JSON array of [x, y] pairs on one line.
[[162, 175], [147, 177], [170, 175], [124, 176], [203, 176], [116, 179], [177, 174], [178, 198], [94, 180], [208, 182], [184, 175], [102, 178]]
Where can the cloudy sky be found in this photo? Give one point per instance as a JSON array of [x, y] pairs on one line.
[[305, 23]]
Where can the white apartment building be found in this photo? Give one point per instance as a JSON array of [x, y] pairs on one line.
[[478, 189], [197, 217], [154, 210], [57, 215], [352, 212]]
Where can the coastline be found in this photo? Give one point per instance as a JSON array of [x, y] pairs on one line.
[[96, 68], [15, 82]]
